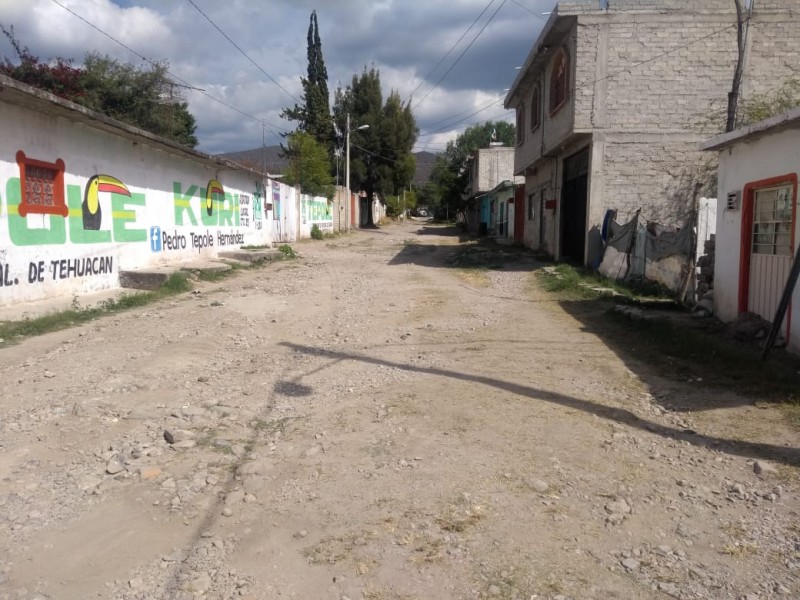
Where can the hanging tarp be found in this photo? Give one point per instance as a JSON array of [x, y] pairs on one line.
[[641, 250]]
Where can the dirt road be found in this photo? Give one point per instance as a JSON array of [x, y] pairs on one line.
[[369, 421]]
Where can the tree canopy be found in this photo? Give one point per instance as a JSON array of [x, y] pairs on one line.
[[763, 106], [143, 97], [313, 116], [309, 165], [381, 159]]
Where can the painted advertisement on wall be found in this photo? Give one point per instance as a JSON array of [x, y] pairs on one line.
[[315, 210], [64, 233]]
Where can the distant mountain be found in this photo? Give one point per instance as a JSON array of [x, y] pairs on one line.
[[276, 164], [257, 158], [425, 162]]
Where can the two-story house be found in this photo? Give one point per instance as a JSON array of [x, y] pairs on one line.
[[614, 100], [489, 205]]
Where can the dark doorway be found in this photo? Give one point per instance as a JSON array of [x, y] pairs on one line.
[[573, 206]]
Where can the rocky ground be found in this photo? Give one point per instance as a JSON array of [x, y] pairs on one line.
[[371, 422]]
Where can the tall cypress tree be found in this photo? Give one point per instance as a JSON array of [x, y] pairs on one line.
[[381, 159], [314, 115]]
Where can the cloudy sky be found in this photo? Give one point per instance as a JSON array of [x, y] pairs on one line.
[[404, 39]]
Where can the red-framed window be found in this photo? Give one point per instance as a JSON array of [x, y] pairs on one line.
[[536, 107], [559, 81], [41, 186], [765, 233]]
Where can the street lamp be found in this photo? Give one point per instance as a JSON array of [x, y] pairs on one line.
[[347, 171]]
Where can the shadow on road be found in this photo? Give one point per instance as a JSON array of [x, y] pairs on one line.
[[707, 368], [787, 455], [465, 252]]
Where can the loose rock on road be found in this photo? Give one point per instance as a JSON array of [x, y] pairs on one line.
[[371, 421]]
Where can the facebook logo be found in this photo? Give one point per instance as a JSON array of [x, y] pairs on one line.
[[155, 239]]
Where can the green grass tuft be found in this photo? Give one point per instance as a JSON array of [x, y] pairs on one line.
[[14, 331], [287, 251]]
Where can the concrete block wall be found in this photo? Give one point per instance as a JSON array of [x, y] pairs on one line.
[[542, 185], [656, 176], [492, 166], [671, 5], [660, 74], [774, 48], [670, 71], [554, 128], [575, 7]]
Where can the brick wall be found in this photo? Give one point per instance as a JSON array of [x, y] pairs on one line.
[[650, 80], [654, 176], [494, 165], [669, 70], [540, 186]]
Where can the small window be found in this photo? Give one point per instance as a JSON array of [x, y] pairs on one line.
[[520, 125], [772, 221], [531, 198], [536, 107], [559, 81]]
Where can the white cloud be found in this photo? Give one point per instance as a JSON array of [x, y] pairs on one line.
[[404, 39]]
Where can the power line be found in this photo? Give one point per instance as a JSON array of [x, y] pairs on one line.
[[535, 14], [373, 153], [657, 56], [453, 47], [155, 64], [235, 45], [609, 76], [460, 56], [451, 123]]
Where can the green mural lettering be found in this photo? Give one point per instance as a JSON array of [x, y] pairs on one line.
[[122, 216], [226, 209], [55, 231], [183, 203], [209, 220], [77, 234]]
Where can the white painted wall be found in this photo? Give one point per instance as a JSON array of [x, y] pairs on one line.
[[770, 156], [315, 210], [157, 214], [285, 215]]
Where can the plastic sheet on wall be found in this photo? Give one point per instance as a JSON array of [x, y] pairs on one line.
[[641, 250]]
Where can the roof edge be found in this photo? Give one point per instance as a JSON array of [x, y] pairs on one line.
[[779, 122], [129, 130]]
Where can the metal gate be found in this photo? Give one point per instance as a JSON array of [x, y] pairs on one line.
[[771, 250]]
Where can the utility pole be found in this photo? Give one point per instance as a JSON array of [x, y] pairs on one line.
[[347, 168], [742, 29], [347, 176]]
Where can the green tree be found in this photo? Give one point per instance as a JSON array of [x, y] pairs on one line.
[[763, 106], [58, 76], [309, 165], [395, 205], [146, 98], [313, 116], [381, 161]]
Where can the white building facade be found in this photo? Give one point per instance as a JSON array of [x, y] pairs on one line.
[[757, 227]]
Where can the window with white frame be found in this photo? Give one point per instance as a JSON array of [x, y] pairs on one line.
[[772, 221]]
